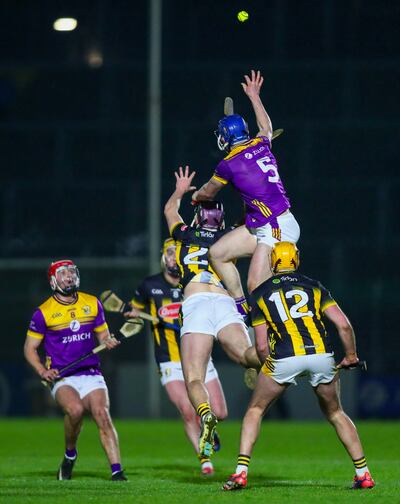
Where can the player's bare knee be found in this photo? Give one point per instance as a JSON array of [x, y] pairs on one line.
[[218, 254], [214, 255], [75, 411]]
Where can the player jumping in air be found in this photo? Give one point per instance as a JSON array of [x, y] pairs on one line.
[[287, 314], [252, 169], [208, 312], [162, 296], [70, 324]]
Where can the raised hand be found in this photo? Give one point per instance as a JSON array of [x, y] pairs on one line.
[[184, 180], [253, 84]]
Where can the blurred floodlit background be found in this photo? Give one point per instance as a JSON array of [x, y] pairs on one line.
[[94, 120]]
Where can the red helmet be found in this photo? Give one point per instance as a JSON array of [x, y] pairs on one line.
[[61, 285]]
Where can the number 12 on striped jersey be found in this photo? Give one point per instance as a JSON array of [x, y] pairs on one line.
[[294, 310]]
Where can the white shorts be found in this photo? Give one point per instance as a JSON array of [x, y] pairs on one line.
[[288, 230], [83, 384], [172, 371], [320, 368], [208, 313]]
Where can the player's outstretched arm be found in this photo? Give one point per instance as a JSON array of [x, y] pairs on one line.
[[208, 191], [346, 334], [183, 185], [252, 88]]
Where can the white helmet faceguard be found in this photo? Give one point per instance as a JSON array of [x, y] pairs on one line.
[[64, 277]]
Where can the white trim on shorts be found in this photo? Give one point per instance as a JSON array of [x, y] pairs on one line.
[[172, 371], [208, 313], [290, 230], [320, 368], [83, 384]]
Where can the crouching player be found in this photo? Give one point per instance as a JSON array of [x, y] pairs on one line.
[[161, 295], [287, 312], [208, 312], [71, 323]]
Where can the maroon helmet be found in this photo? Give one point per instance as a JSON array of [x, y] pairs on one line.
[[209, 215]]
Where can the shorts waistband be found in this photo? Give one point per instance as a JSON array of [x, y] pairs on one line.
[[212, 294], [308, 356]]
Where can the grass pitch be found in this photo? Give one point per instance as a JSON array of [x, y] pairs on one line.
[[292, 463]]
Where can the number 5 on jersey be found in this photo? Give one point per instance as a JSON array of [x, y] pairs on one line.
[[266, 166]]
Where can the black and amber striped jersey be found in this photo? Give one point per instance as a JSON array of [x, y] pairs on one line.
[[292, 305], [162, 300], [192, 246]]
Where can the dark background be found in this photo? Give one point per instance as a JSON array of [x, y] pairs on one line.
[[74, 146]]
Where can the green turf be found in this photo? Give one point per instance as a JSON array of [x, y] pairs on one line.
[[292, 463]]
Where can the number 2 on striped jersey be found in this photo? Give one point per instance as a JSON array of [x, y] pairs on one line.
[[294, 310], [266, 166], [193, 256]]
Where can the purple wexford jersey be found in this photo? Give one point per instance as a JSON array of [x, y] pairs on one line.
[[68, 331], [252, 170]]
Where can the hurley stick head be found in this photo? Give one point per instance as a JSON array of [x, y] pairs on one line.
[[362, 364], [276, 133], [228, 106], [111, 301], [131, 327]]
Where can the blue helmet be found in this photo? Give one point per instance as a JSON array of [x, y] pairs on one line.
[[231, 130]]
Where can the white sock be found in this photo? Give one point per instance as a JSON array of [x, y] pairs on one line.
[[240, 468], [205, 465], [361, 472]]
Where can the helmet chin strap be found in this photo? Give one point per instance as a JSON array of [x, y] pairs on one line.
[[209, 228], [67, 291], [174, 272], [171, 270]]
